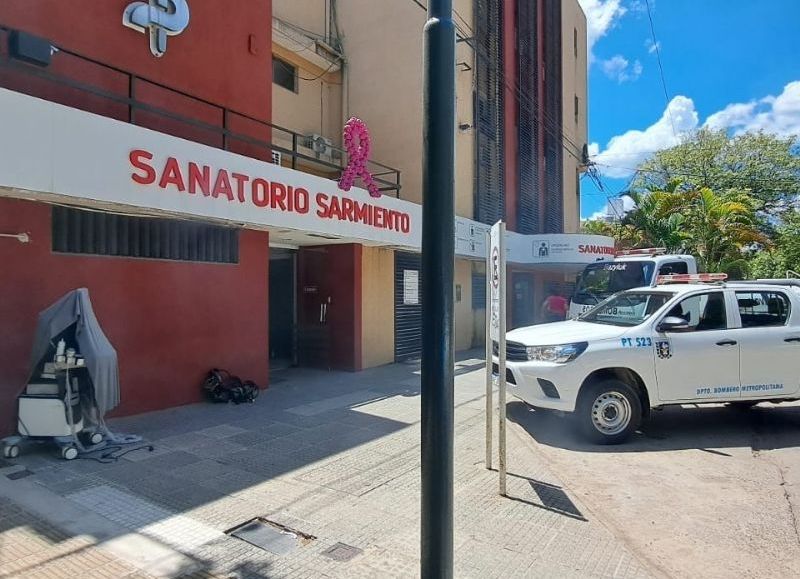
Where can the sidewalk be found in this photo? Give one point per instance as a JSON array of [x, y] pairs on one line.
[[333, 457]]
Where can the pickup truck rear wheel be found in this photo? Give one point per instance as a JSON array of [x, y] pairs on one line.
[[609, 411]]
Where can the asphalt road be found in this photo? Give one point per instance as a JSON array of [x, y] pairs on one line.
[[708, 491]]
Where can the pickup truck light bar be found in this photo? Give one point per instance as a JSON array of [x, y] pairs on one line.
[[692, 278], [647, 251]]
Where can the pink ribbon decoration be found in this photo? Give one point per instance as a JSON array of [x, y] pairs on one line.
[[356, 141]]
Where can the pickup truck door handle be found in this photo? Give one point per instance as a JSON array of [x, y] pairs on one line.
[[727, 343], [792, 340]]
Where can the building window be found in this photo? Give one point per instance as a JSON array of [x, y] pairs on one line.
[[99, 233], [575, 41], [284, 74], [577, 109]]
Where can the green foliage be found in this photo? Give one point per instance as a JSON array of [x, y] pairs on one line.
[[784, 255], [767, 264], [764, 166], [716, 228]]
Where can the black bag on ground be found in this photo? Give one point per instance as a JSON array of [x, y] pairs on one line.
[[221, 386]]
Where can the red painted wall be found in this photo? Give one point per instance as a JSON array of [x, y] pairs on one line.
[[211, 59], [221, 62], [511, 112], [169, 321]]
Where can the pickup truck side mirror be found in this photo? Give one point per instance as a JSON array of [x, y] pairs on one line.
[[673, 324]]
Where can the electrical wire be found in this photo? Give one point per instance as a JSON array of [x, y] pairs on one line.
[[306, 48], [290, 69], [550, 125], [696, 175], [660, 68]]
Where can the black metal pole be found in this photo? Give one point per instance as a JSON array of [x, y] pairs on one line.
[[438, 247]]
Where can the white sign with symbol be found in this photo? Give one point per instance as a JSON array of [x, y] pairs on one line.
[[497, 267], [159, 19]]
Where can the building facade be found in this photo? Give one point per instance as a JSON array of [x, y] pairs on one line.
[[185, 173], [521, 101]]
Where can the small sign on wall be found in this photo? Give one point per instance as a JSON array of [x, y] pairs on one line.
[[410, 287]]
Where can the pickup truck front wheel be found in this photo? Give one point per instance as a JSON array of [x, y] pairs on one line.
[[609, 411]]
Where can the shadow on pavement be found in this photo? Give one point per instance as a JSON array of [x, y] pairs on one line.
[[705, 428], [552, 498]]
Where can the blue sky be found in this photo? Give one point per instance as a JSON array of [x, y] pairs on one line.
[[731, 64]]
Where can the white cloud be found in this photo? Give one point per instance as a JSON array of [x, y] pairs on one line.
[[731, 116], [779, 115], [625, 152], [616, 208], [601, 15], [618, 68], [652, 46]]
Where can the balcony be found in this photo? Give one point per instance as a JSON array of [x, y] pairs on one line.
[[84, 83]]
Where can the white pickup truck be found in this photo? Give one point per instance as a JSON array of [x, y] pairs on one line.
[[674, 343], [629, 269]]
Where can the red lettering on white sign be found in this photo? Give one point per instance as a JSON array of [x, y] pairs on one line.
[[261, 193], [597, 249]]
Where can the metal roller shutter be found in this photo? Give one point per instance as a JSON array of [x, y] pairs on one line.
[[407, 315]]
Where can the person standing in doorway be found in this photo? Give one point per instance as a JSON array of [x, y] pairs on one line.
[[554, 308]]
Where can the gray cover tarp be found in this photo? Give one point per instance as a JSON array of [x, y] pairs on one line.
[[100, 355]]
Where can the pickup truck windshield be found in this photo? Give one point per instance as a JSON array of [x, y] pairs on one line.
[[600, 280], [627, 308]]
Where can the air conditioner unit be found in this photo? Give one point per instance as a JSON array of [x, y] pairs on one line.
[[320, 145], [276, 157]]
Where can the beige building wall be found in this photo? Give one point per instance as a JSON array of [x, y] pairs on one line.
[[574, 79], [316, 107], [377, 309], [312, 15], [383, 45]]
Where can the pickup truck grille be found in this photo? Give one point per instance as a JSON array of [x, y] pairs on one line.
[[515, 351]]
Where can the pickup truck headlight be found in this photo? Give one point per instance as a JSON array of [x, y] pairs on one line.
[[556, 354]]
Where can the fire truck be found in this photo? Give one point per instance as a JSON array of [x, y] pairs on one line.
[[629, 269]]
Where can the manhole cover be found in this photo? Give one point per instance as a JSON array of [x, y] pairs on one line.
[[19, 474], [270, 536], [342, 552]]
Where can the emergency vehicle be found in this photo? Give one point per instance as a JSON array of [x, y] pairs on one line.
[[688, 339], [629, 269]]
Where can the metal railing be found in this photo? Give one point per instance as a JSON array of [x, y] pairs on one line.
[[290, 144]]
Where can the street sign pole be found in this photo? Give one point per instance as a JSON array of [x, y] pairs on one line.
[[438, 255], [501, 364], [496, 329], [489, 351]]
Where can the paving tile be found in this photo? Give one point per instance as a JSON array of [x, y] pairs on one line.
[[200, 471], [171, 460], [335, 456], [221, 431]]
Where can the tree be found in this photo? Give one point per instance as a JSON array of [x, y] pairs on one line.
[[659, 219], [625, 236], [717, 228], [784, 255], [765, 166], [720, 227]]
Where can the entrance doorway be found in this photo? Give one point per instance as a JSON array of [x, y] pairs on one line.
[[523, 307], [282, 310]]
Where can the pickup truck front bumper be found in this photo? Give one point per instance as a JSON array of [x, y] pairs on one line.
[[541, 384]]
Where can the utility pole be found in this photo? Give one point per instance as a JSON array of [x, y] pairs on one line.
[[438, 249]]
